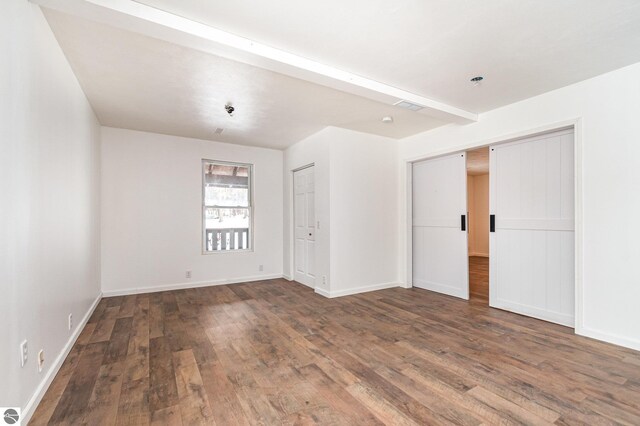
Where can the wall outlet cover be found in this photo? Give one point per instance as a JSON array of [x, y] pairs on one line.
[[40, 360], [24, 353]]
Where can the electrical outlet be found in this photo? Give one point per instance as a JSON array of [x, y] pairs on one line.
[[70, 322], [188, 275], [40, 360], [24, 353], [324, 280], [260, 267]]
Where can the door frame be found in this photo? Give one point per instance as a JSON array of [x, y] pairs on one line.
[[292, 223], [576, 125]]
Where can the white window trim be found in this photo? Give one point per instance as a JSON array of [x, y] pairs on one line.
[[250, 240]]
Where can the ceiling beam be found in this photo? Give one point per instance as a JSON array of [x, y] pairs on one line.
[[146, 20]]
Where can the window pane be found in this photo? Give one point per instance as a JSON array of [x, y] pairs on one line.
[[226, 185], [226, 229], [227, 206], [217, 196]]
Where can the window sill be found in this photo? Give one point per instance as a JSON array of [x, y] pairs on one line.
[[227, 251]]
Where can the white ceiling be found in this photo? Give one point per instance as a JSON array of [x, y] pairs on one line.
[[141, 83], [339, 62], [433, 47], [478, 161]]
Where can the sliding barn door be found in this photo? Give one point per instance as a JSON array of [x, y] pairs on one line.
[[532, 246], [439, 225], [304, 224]]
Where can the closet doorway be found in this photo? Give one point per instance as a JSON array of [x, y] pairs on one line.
[[478, 219], [520, 214], [304, 220]]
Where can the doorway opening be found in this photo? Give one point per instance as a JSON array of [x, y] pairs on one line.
[[478, 224], [304, 224]]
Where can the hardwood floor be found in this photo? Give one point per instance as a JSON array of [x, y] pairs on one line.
[[479, 278], [274, 352]]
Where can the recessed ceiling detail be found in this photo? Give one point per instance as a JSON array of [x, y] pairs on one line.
[[143, 83], [296, 75], [162, 23], [428, 47]]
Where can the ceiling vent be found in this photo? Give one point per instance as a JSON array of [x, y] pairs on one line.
[[408, 105], [218, 130]]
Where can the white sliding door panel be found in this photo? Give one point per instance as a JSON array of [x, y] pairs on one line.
[[439, 244], [304, 224], [532, 248]]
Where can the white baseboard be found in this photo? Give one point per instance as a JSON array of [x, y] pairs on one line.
[[531, 311], [322, 292], [478, 254], [440, 288], [356, 290], [287, 277], [186, 285], [29, 409], [609, 338]]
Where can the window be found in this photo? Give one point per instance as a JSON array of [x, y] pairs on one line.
[[226, 206]]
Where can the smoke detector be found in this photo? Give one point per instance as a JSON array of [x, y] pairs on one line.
[[388, 119], [409, 105]]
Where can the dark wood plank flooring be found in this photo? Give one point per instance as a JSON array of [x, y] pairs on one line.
[[479, 278], [274, 352]]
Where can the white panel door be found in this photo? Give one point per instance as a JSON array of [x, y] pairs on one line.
[[304, 224], [532, 248], [439, 201]]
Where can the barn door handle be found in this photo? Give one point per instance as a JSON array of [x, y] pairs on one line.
[[492, 223], [463, 222]]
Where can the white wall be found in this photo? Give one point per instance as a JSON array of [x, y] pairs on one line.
[[364, 214], [608, 107], [478, 208], [49, 214], [152, 213], [356, 204]]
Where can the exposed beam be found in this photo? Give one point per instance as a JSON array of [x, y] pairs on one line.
[[132, 16]]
